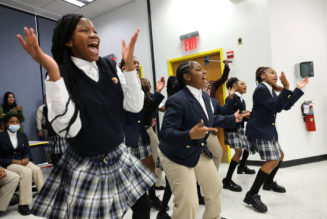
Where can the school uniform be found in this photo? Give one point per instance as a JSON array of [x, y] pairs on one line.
[[149, 114], [136, 138], [212, 140], [235, 137], [8, 185], [15, 146], [187, 161], [261, 129], [57, 145], [96, 177]]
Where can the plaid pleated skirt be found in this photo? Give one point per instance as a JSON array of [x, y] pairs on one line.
[[142, 151], [57, 145], [102, 186], [237, 139], [268, 149]]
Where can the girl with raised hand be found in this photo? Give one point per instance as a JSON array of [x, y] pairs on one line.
[[235, 137], [261, 129], [96, 177]]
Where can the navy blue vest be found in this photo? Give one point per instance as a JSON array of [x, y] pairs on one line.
[[102, 113]]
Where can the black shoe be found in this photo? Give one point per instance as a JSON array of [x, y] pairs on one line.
[[14, 200], [159, 187], [256, 202], [274, 186], [245, 169], [229, 184], [163, 216], [201, 200], [24, 210], [156, 203]]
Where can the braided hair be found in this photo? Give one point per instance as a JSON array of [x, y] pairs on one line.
[[172, 85], [182, 69], [62, 33], [260, 71]]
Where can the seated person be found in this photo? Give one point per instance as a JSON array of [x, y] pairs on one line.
[[8, 184], [9, 106], [15, 156]]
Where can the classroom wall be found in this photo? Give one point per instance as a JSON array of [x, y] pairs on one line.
[[122, 23], [298, 33], [272, 33], [19, 73]]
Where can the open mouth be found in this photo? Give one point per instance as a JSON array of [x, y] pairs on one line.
[[93, 47]]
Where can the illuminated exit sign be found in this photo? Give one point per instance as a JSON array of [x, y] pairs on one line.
[[190, 40], [190, 44]]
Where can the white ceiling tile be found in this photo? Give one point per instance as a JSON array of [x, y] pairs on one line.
[[56, 8]]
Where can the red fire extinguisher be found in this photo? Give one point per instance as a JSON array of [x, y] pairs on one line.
[[308, 116]]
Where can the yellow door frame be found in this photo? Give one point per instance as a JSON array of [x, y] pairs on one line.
[[170, 63]]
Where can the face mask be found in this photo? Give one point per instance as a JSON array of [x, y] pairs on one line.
[[14, 128]]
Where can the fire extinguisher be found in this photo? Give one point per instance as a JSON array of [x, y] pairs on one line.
[[308, 116]]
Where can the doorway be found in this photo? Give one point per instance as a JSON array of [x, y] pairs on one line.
[[214, 71]]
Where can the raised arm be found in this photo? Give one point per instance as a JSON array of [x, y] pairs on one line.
[[58, 101], [131, 85]]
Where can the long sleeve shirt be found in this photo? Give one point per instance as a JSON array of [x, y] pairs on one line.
[[57, 96]]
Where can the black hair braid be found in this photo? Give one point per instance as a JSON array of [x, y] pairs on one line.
[[172, 86], [182, 69], [260, 71], [62, 55], [231, 81]]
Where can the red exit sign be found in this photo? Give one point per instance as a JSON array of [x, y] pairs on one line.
[[190, 43]]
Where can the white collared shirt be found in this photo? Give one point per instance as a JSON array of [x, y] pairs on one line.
[[239, 95], [197, 93], [90, 68], [13, 138], [58, 96], [269, 87]]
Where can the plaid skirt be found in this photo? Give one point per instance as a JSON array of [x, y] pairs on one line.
[[102, 186], [268, 149], [141, 151], [237, 139], [57, 145]]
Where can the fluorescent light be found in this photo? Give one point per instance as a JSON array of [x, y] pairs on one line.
[[79, 3]]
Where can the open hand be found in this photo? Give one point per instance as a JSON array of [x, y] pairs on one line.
[[284, 81], [31, 46], [302, 83], [199, 131], [238, 116], [128, 51], [160, 85]]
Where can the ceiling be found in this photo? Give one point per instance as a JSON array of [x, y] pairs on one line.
[[54, 9]]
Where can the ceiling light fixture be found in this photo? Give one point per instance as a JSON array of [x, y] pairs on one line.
[[79, 3]]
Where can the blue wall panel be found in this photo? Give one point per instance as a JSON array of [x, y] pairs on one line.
[[19, 73]]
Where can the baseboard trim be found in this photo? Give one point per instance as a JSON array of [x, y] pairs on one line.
[[291, 163]]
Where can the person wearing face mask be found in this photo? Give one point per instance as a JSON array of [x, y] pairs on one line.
[[9, 106], [15, 156]]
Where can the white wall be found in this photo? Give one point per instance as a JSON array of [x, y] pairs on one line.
[[298, 33], [122, 23], [273, 35], [220, 24]]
